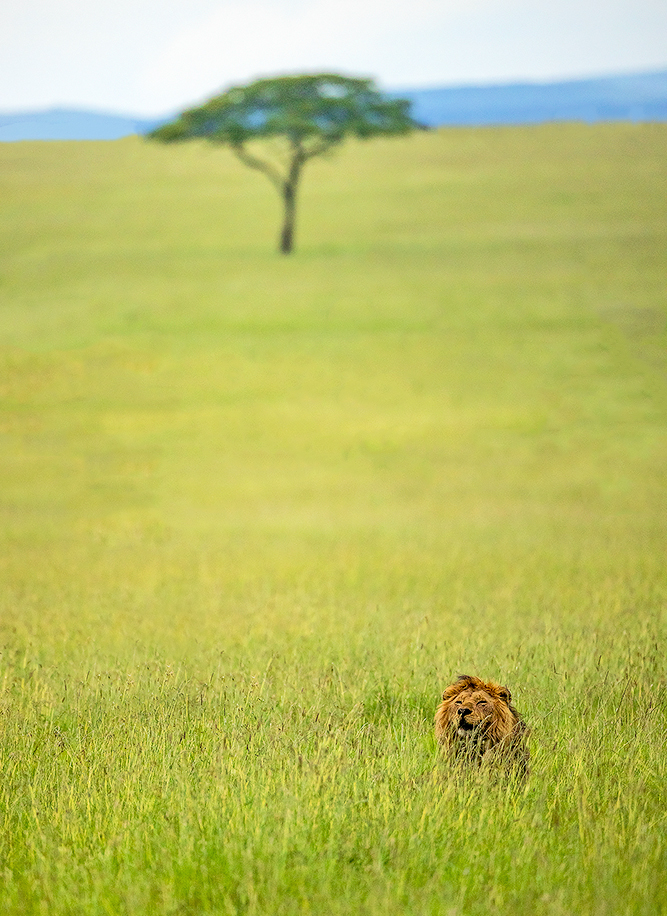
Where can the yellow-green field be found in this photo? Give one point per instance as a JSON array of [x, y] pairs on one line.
[[256, 512]]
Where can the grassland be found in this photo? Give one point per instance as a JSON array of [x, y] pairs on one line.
[[256, 512]]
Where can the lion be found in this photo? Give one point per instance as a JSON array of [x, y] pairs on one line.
[[477, 724]]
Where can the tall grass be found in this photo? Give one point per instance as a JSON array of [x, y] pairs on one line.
[[256, 513]]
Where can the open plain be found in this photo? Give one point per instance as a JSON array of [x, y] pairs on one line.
[[256, 512]]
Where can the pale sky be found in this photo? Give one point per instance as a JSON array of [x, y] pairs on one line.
[[150, 57]]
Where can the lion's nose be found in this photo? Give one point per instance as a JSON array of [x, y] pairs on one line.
[[464, 710]]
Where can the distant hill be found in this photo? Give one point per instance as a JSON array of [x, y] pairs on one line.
[[639, 97], [66, 124]]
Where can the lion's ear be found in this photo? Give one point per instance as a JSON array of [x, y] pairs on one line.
[[505, 695]]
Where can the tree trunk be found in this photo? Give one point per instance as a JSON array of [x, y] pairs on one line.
[[289, 201], [287, 233]]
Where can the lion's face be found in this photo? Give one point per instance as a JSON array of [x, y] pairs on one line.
[[475, 716], [472, 710]]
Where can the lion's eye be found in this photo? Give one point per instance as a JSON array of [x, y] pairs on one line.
[[482, 703]]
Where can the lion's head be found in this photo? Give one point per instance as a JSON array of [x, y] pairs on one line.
[[477, 717]]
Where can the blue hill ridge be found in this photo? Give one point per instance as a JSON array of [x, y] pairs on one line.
[[67, 124], [640, 97], [635, 97]]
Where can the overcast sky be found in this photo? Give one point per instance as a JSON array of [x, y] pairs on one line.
[[155, 56]]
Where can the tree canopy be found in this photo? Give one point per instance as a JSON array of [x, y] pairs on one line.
[[310, 113]]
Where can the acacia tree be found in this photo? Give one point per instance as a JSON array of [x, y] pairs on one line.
[[308, 114]]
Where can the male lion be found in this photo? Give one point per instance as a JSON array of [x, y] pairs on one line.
[[477, 724]]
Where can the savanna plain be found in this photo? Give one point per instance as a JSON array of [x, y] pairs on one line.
[[256, 512]]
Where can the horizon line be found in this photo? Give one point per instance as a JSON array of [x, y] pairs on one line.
[[61, 107]]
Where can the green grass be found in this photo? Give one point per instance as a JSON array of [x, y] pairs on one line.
[[256, 513]]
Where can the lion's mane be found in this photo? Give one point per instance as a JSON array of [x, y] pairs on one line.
[[477, 723]]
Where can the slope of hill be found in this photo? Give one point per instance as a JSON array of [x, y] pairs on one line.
[[639, 97], [68, 124]]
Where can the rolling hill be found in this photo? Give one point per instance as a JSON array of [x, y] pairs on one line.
[[637, 97]]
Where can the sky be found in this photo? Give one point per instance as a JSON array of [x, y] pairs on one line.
[[152, 57]]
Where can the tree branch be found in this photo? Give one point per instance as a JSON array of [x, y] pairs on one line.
[[318, 148], [260, 164]]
